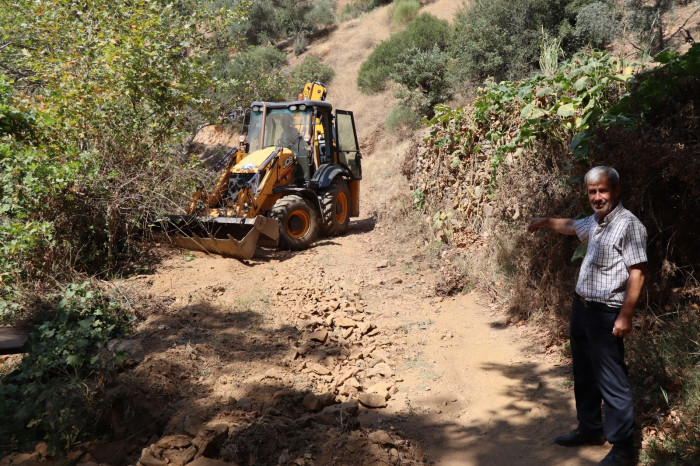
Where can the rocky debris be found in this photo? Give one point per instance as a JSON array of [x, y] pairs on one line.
[[319, 336], [343, 349], [373, 400], [336, 414], [244, 404], [203, 461], [317, 402], [380, 437], [181, 450], [299, 409], [210, 439]]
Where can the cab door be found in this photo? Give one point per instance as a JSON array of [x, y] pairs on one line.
[[347, 146]]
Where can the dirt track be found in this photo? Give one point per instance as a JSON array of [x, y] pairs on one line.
[[464, 388], [263, 362], [256, 346]]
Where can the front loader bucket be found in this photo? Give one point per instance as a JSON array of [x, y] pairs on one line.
[[227, 236]]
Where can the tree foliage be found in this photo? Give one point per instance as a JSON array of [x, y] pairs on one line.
[[310, 69], [596, 25], [423, 33], [256, 74], [423, 77], [107, 92], [274, 20], [501, 38]]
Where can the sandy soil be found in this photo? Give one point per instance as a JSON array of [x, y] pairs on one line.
[[264, 361], [464, 388]]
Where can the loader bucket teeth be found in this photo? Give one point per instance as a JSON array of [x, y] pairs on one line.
[[226, 236]]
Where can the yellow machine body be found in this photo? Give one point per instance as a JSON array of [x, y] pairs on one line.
[[289, 175]]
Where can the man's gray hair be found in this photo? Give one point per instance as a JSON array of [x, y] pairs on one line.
[[596, 173]]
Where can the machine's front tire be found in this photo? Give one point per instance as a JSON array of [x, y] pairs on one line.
[[335, 205], [298, 222]]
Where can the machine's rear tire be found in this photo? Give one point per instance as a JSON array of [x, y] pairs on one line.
[[298, 222], [335, 205]]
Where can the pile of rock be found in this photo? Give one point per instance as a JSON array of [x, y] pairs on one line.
[[342, 352], [181, 450], [340, 363]]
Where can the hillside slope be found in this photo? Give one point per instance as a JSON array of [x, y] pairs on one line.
[[249, 362]]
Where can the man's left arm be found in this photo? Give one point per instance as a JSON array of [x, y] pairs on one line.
[[623, 323]]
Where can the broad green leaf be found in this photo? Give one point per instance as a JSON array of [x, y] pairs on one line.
[[665, 57], [566, 110], [527, 110], [74, 360], [580, 252], [581, 83], [545, 91], [580, 138]]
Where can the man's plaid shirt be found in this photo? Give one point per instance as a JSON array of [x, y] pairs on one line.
[[614, 245]]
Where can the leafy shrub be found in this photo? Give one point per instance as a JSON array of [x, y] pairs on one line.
[[53, 395], [322, 14], [262, 26], [310, 69], [101, 154], [501, 38], [254, 74], [423, 33], [596, 25], [646, 20], [402, 120], [423, 75], [355, 8], [269, 21], [404, 11], [299, 45]]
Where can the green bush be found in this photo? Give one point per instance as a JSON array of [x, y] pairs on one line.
[[257, 75], [423, 33], [501, 38], [269, 21], [596, 25], [423, 77], [262, 26], [310, 69], [402, 120], [646, 20], [404, 11], [54, 394], [355, 8], [99, 153]]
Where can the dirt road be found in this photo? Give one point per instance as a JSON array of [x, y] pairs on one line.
[[242, 344], [264, 362]]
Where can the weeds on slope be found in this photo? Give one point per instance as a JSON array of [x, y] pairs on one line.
[[521, 151]]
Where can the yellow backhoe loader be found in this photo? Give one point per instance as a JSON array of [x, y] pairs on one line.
[[296, 173]]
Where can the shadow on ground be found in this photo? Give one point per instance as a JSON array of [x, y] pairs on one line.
[[174, 387]]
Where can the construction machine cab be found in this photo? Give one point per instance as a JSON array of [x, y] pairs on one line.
[[296, 173], [306, 127]]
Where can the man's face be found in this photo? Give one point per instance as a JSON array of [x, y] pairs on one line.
[[602, 196]]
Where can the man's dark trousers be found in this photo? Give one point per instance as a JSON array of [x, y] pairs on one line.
[[600, 373]]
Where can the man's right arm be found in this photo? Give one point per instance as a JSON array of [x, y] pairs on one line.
[[560, 225]]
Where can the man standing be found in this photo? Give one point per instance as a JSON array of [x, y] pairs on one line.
[[608, 288]]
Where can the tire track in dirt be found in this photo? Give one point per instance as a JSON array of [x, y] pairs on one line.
[[275, 348]]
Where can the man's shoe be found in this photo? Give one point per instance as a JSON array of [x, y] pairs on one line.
[[619, 457], [579, 437]]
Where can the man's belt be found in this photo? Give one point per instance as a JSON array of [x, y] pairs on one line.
[[595, 305]]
